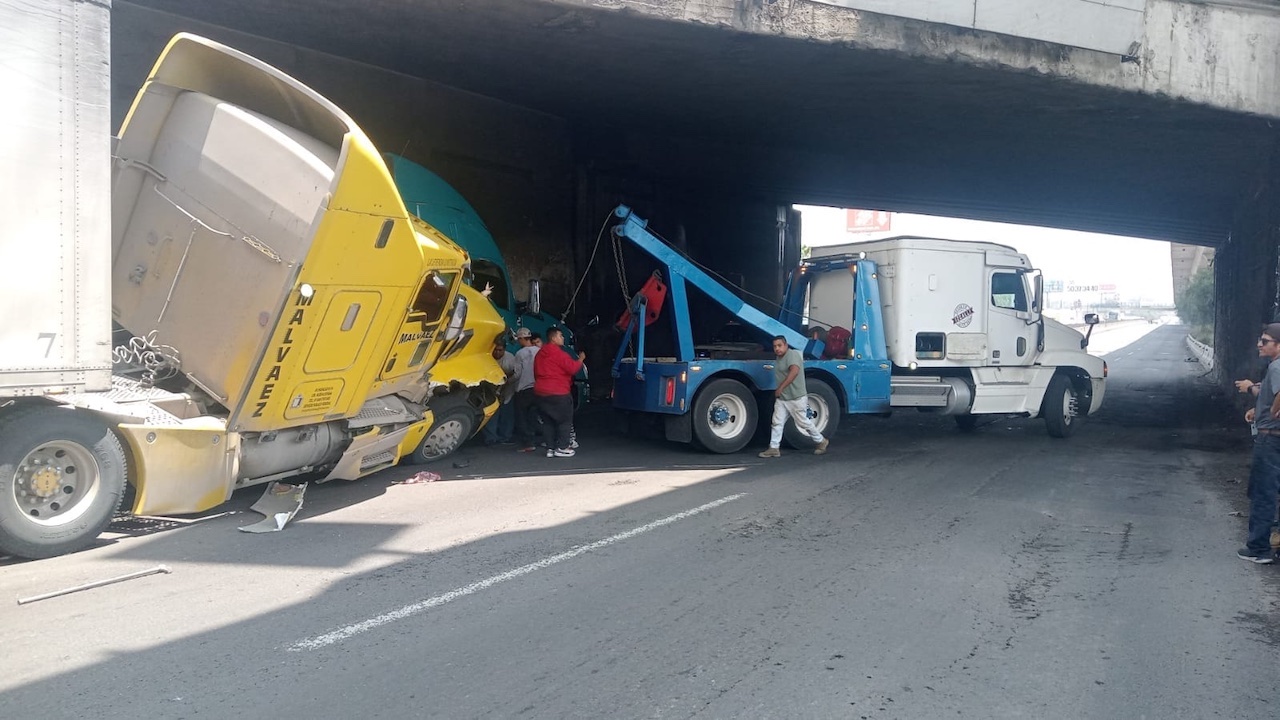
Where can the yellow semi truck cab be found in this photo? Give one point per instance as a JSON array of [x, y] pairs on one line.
[[279, 313]]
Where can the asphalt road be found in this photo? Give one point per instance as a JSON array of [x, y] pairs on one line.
[[913, 572]]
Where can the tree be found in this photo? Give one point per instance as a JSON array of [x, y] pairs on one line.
[[1195, 302]]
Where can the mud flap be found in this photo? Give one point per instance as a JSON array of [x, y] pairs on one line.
[[679, 428]]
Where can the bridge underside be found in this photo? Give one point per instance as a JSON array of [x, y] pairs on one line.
[[805, 121], [545, 114]]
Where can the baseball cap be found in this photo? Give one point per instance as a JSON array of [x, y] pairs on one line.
[[523, 333]]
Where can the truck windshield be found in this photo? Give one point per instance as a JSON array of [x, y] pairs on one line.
[[487, 273], [1009, 291]]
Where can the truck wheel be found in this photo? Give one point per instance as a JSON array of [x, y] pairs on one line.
[[824, 411], [724, 416], [1061, 407], [452, 427], [62, 473]]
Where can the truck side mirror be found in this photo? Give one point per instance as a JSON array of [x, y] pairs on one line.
[[457, 320], [535, 297], [1091, 319]]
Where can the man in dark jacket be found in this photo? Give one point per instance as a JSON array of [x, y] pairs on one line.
[[553, 373]]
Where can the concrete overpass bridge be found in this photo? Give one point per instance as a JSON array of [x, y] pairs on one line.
[[1153, 118]]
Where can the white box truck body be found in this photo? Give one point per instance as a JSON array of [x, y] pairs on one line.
[[55, 227]]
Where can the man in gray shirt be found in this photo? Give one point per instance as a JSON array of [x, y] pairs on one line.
[[526, 413], [1264, 476], [791, 399]]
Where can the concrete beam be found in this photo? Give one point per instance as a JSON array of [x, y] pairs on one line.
[[1186, 261], [1222, 56]]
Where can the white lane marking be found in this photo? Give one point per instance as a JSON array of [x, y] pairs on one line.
[[337, 636]]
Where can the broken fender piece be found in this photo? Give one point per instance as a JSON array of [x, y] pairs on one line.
[[280, 503]]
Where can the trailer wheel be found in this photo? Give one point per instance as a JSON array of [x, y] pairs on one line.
[[62, 474], [724, 416], [454, 425], [824, 411], [1061, 407]]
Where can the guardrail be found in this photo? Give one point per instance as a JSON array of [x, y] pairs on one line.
[[1202, 352], [1105, 324]]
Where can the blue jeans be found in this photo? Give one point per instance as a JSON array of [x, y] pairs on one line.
[[1264, 486], [499, 429]]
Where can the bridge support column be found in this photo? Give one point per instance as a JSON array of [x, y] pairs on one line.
[[1245, 277]]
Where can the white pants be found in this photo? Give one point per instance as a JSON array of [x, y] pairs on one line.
[[799, 411]]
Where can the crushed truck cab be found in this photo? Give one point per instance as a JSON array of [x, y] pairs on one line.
[[279, 312]]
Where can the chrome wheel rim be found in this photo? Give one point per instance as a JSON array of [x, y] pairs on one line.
[[1069, 406], [444, 438], [56, 482]]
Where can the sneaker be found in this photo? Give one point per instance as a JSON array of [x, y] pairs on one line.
[[563, 452], [1261, 557], [771, 452], [551, 453], [573, 444], [822, 447]]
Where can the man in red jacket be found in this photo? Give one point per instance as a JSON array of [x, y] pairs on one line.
[[553, 372]]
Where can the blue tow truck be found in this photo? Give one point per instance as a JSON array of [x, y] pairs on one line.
[[960, 333]]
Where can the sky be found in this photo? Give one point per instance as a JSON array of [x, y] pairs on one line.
[[1140, 269]]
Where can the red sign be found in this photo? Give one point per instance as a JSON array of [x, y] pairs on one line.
[[867, 221]]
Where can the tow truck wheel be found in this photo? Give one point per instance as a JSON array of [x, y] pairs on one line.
[[824, 411], [1061, 407], [724, 416], [452, 427], [62, 473]]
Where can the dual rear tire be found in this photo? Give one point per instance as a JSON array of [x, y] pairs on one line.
[[726, 415], [62, 475]]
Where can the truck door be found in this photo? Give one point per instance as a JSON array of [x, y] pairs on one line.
[[1012, 341], [418, 344]]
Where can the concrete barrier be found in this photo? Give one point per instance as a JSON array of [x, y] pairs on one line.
[[1202, 352]]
